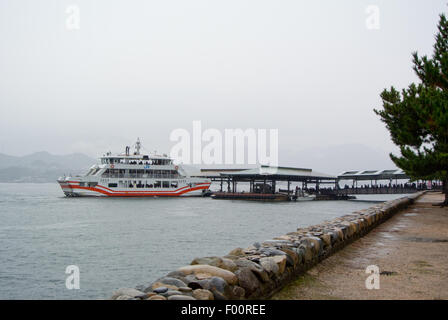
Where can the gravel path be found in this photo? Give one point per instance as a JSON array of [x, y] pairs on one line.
[[410, 249]]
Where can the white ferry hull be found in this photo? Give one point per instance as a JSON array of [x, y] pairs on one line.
[[73, 189]]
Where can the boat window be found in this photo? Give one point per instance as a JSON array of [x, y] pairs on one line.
[[166, 184], [112, 185], [92, 184], [174, 184], [157, 184]]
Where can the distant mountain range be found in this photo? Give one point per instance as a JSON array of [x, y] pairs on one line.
[[42, 166]]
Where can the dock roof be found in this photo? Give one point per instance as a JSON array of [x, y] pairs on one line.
[[273, 173], [373, 175]]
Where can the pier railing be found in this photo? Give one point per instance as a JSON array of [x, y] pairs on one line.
[[376, 190]]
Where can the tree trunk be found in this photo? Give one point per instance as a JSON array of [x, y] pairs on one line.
[[445, 191]]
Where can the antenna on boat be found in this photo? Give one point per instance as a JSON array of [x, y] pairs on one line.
[[138, 145]]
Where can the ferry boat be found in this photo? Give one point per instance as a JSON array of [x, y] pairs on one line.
[[134, 175]]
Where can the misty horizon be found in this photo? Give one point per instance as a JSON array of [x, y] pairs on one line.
[[314, 71]]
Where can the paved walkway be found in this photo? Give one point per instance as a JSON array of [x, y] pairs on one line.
[[410, 249]]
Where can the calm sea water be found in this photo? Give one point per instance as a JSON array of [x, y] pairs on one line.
[[126, 242]]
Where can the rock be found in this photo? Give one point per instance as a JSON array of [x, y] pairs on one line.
[[257, 245], [232, 257], [284, 237], [124, 297], [350, 229], [157, 284], [254, 267], [160, 289], [316, 244], [292, 257], [171, 281], [271, 252], [254, 258], [247, 280], [306, 253], [145, 296], [140, 287], [202, 276], [326, 238], [202, 294], [223, 263], [192, 282], [238, 293], [250, 250], [131, 292], [336, 236], [157, 297], [171, 293], [270, 243], [204, 269], [176, 274], [269, 265], [180, 297], [237, 252], [281, 262], [185, 289], [219, 262], [218, 286]]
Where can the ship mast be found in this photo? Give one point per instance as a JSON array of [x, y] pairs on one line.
[[138, 145]]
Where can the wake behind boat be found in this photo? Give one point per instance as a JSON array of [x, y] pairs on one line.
[[134, 175]]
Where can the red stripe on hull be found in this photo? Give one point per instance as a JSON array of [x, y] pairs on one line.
[[139, 193]]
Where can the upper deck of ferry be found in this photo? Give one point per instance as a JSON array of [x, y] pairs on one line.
[[126, 159], [136, 159]]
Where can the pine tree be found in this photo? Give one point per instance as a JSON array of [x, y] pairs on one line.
[[417, 117]]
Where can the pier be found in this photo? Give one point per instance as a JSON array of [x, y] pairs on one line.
[[288, 183], [263, 182]]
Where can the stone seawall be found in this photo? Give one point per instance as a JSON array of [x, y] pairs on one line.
[[257, 272]]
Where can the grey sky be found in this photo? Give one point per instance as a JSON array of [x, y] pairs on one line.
[[143, 68]]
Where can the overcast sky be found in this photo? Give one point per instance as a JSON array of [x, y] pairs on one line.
[[311, 69]]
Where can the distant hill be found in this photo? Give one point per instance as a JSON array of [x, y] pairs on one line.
[[42, 166]]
